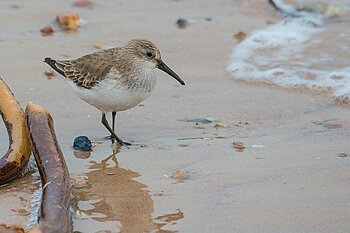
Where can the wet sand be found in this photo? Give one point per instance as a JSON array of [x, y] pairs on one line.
[[288, 179]]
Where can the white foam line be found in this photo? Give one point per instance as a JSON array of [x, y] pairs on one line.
[[272, 55]]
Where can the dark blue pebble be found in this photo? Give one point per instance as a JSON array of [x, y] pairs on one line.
[[82, 143]]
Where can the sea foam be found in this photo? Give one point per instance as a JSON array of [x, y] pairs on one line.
[[293, 53]]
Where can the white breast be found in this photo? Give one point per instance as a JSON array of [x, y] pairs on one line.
[[111, 95]]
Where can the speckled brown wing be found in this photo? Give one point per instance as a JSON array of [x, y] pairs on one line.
[[88, 70]]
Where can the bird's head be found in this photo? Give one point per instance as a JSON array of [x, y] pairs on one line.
[[148, 54]]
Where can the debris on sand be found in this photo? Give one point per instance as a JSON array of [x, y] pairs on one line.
[[83, 3], [68, 20], [218, 125], [47, 30], [82, 143], [99, 46], [240, 36], [342, 154], [333, 126], [238, 146], [49, 74], [182, 23], [179, 175]]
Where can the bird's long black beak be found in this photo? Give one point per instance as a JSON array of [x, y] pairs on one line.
[[166, 69]]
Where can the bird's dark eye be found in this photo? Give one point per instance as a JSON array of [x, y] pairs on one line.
[[149, 54]]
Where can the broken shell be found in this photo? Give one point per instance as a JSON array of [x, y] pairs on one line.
[[179, 175], [68, 20]]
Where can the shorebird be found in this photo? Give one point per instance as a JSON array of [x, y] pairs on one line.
[[115, 79]]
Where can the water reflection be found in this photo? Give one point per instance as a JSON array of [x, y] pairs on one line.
[[15, 201], [113, 196]]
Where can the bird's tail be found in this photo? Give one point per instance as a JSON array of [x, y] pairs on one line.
[[52, 63]]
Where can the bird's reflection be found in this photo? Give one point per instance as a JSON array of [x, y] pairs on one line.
[[120, 198]]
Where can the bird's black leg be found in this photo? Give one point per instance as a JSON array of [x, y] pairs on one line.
[[113, 123], [105, 123], [113, 120]]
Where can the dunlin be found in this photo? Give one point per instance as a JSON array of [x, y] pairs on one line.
[[115, 79]]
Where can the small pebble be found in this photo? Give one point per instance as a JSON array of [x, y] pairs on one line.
[[83, 3], [179, 175], [238, 146], [240, 36], [99, 46], [47, 30], [333, 126], [49, 74], [342, 154], [218, 125], [82, 143], [182, 23]]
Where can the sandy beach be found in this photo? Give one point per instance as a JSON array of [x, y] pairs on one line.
[[289, 178]]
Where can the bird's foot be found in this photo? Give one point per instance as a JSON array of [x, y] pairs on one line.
[[117, 140], [122, 143]]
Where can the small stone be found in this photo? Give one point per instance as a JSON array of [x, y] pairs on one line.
[[238, 146], [218, 125], [333, 126], [83, 3], [49, 74], [82, 143], [99, 46], [179, 175], [47, 30], [342, 154], [182, 23], [240, 36]]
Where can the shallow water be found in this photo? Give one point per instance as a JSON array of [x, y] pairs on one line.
[[114, 200], [311, 49]]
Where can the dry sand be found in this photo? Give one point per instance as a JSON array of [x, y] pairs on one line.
[[288, 179]]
